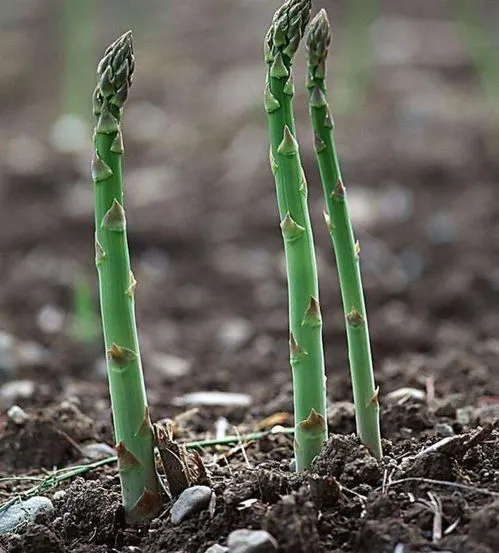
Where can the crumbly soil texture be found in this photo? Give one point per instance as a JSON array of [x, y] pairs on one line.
[[419, 157]]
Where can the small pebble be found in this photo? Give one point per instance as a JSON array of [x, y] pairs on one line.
[[251, 541], [192, 500], [234, 333], [440, 228], [8, 357], [15, 389], [214, 398], [168, 366], [17, 415], [97, 451], [215, 548], [70, 134], [400, 395], [22, 512], [444, 430], [50, 319]]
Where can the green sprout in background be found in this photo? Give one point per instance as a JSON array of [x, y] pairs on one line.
[[356, 56], [482, 50], [345, 247], [132, 425], [84, 328], [305, 322]]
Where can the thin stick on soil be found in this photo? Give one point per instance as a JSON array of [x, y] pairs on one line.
[[56, 477], [345, 247], [305, 322], [443, 483], [132, 426]]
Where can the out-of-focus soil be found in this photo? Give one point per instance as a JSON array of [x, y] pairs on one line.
[[419, 157]]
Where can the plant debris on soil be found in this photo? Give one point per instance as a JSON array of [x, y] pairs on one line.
[[421, 169]]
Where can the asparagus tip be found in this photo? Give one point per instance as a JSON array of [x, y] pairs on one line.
[[318, 39], [115, 71], [288, 27]]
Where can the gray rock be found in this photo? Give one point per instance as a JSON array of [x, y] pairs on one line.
[[251, 541], [8, 357], [11, 391], [192, 500], [97, 451], [17, 415], [444, 429], [19, 513], [234, 333], [168, 366], [215, 548]]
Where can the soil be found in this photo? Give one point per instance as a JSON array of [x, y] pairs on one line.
[[419, 156]]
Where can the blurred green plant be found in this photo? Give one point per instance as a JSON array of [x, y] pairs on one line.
[[346, 249], [132, 425], [305, 322], [84, 327], [355, 58], [77, 29], [482, 49]]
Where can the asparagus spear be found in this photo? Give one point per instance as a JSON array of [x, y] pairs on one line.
[[345, 247], [305, 323], [132, 425]]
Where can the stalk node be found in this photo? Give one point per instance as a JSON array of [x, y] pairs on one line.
[[121, 356], [312, 316], [147, 505], [357, 250], [296, 352], [319, 144], [315, 423], [100, 254], [117, 145], [355, 318], [289, 145], [145, 429], [339, 191], [291, 230], [327, 219], [274, 167], [328, 120], [289, 87], [270, 101], [278, 69], [130, 291], [107, 122], [126, 460], [374, 401], [317, 98], [100, 169], [114, 219]]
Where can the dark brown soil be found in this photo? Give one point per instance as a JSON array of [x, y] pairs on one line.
[[420, 161]]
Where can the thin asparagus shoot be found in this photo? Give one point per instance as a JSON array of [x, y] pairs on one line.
[[305, 322], [345, 247], [132, 426]]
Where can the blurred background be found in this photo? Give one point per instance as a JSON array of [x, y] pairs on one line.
[[415, 89]]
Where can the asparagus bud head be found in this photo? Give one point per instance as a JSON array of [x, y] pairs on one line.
[[318, 39], [115, 73], [287, 29]]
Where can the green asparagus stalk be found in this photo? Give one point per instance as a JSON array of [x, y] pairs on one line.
[[132, 425], [345, 247], [305, 323]]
